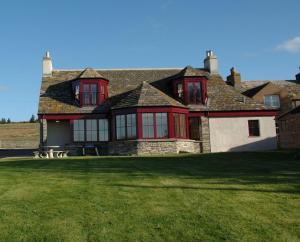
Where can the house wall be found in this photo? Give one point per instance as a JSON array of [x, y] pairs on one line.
[[149, 147], [289, 129], [232, 134], [58, 133]]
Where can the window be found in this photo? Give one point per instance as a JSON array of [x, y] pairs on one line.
[[194, 92], [91, 130], [90, 94], [155, 125], [148, 125], [103, 130], [87, 130], [131, 125], [272, 100], [180, 125], [120, 126], [179, 90], [78, 130], [126, 126], [161, 125], [253, 126]]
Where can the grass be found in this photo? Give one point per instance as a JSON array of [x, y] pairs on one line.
[[19, 135], [213, 197]]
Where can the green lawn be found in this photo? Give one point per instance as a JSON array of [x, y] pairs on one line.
[[213, 197]]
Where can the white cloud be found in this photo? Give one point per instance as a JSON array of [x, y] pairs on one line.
[[291, 45]]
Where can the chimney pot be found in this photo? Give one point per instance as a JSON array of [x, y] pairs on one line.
[[47, 65], [210, 62]]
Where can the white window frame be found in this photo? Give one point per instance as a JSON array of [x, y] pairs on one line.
[[273, 102]]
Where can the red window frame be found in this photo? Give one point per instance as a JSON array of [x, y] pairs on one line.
[[185, 92], [253, 128], [155, 136], [126, 132], [179, 126], [101, 93]]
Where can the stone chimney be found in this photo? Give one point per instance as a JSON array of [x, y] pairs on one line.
[[234, 79], [298, 77], [47, 65], [211, 63]]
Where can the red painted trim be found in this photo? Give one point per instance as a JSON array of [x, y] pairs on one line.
[[72, 116], [153, 109], [187, 129], [242, 114], [171, 125], [139, 125], [101, 84]]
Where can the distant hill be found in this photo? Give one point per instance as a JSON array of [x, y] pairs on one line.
[[19, 135]]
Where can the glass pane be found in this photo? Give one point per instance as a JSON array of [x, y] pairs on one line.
[[198, 92], [86, 87], [182, 126], [120, 126], [148, 129], [86, 98], [94, 87], [103, 130], [176, 124], [191, 92]]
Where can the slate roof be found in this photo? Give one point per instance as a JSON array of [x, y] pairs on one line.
[[90, 73], [252, 87], [56, 91], [146, 95]]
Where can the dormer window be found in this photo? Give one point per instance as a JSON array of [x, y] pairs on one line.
[[90, 89], [272, 101], [194, 92], [90, 92]]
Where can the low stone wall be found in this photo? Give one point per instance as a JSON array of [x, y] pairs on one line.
[[148, 147]]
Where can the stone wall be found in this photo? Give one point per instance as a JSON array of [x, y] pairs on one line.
[[289, 130], [148, 147], [205, 135]]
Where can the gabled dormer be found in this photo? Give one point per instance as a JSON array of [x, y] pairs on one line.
[[190, 86], [90, 88]]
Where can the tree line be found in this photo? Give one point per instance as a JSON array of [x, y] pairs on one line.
[[33, 119]]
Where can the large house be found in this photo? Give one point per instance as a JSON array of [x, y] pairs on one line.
[[151, 110]]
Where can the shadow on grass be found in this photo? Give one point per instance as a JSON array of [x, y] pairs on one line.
[[206, 188], [278, 167]]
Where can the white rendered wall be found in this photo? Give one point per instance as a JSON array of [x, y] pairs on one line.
[[231, 134]]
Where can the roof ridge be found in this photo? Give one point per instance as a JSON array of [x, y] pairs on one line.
[[124, 69]]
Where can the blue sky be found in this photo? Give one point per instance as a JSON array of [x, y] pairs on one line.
[[260, 38]]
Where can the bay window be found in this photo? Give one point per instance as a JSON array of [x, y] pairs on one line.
[[126, 126], [131, 125], [148, 125], [155, 125], [161, 125], [120, 125], [179, 125]]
